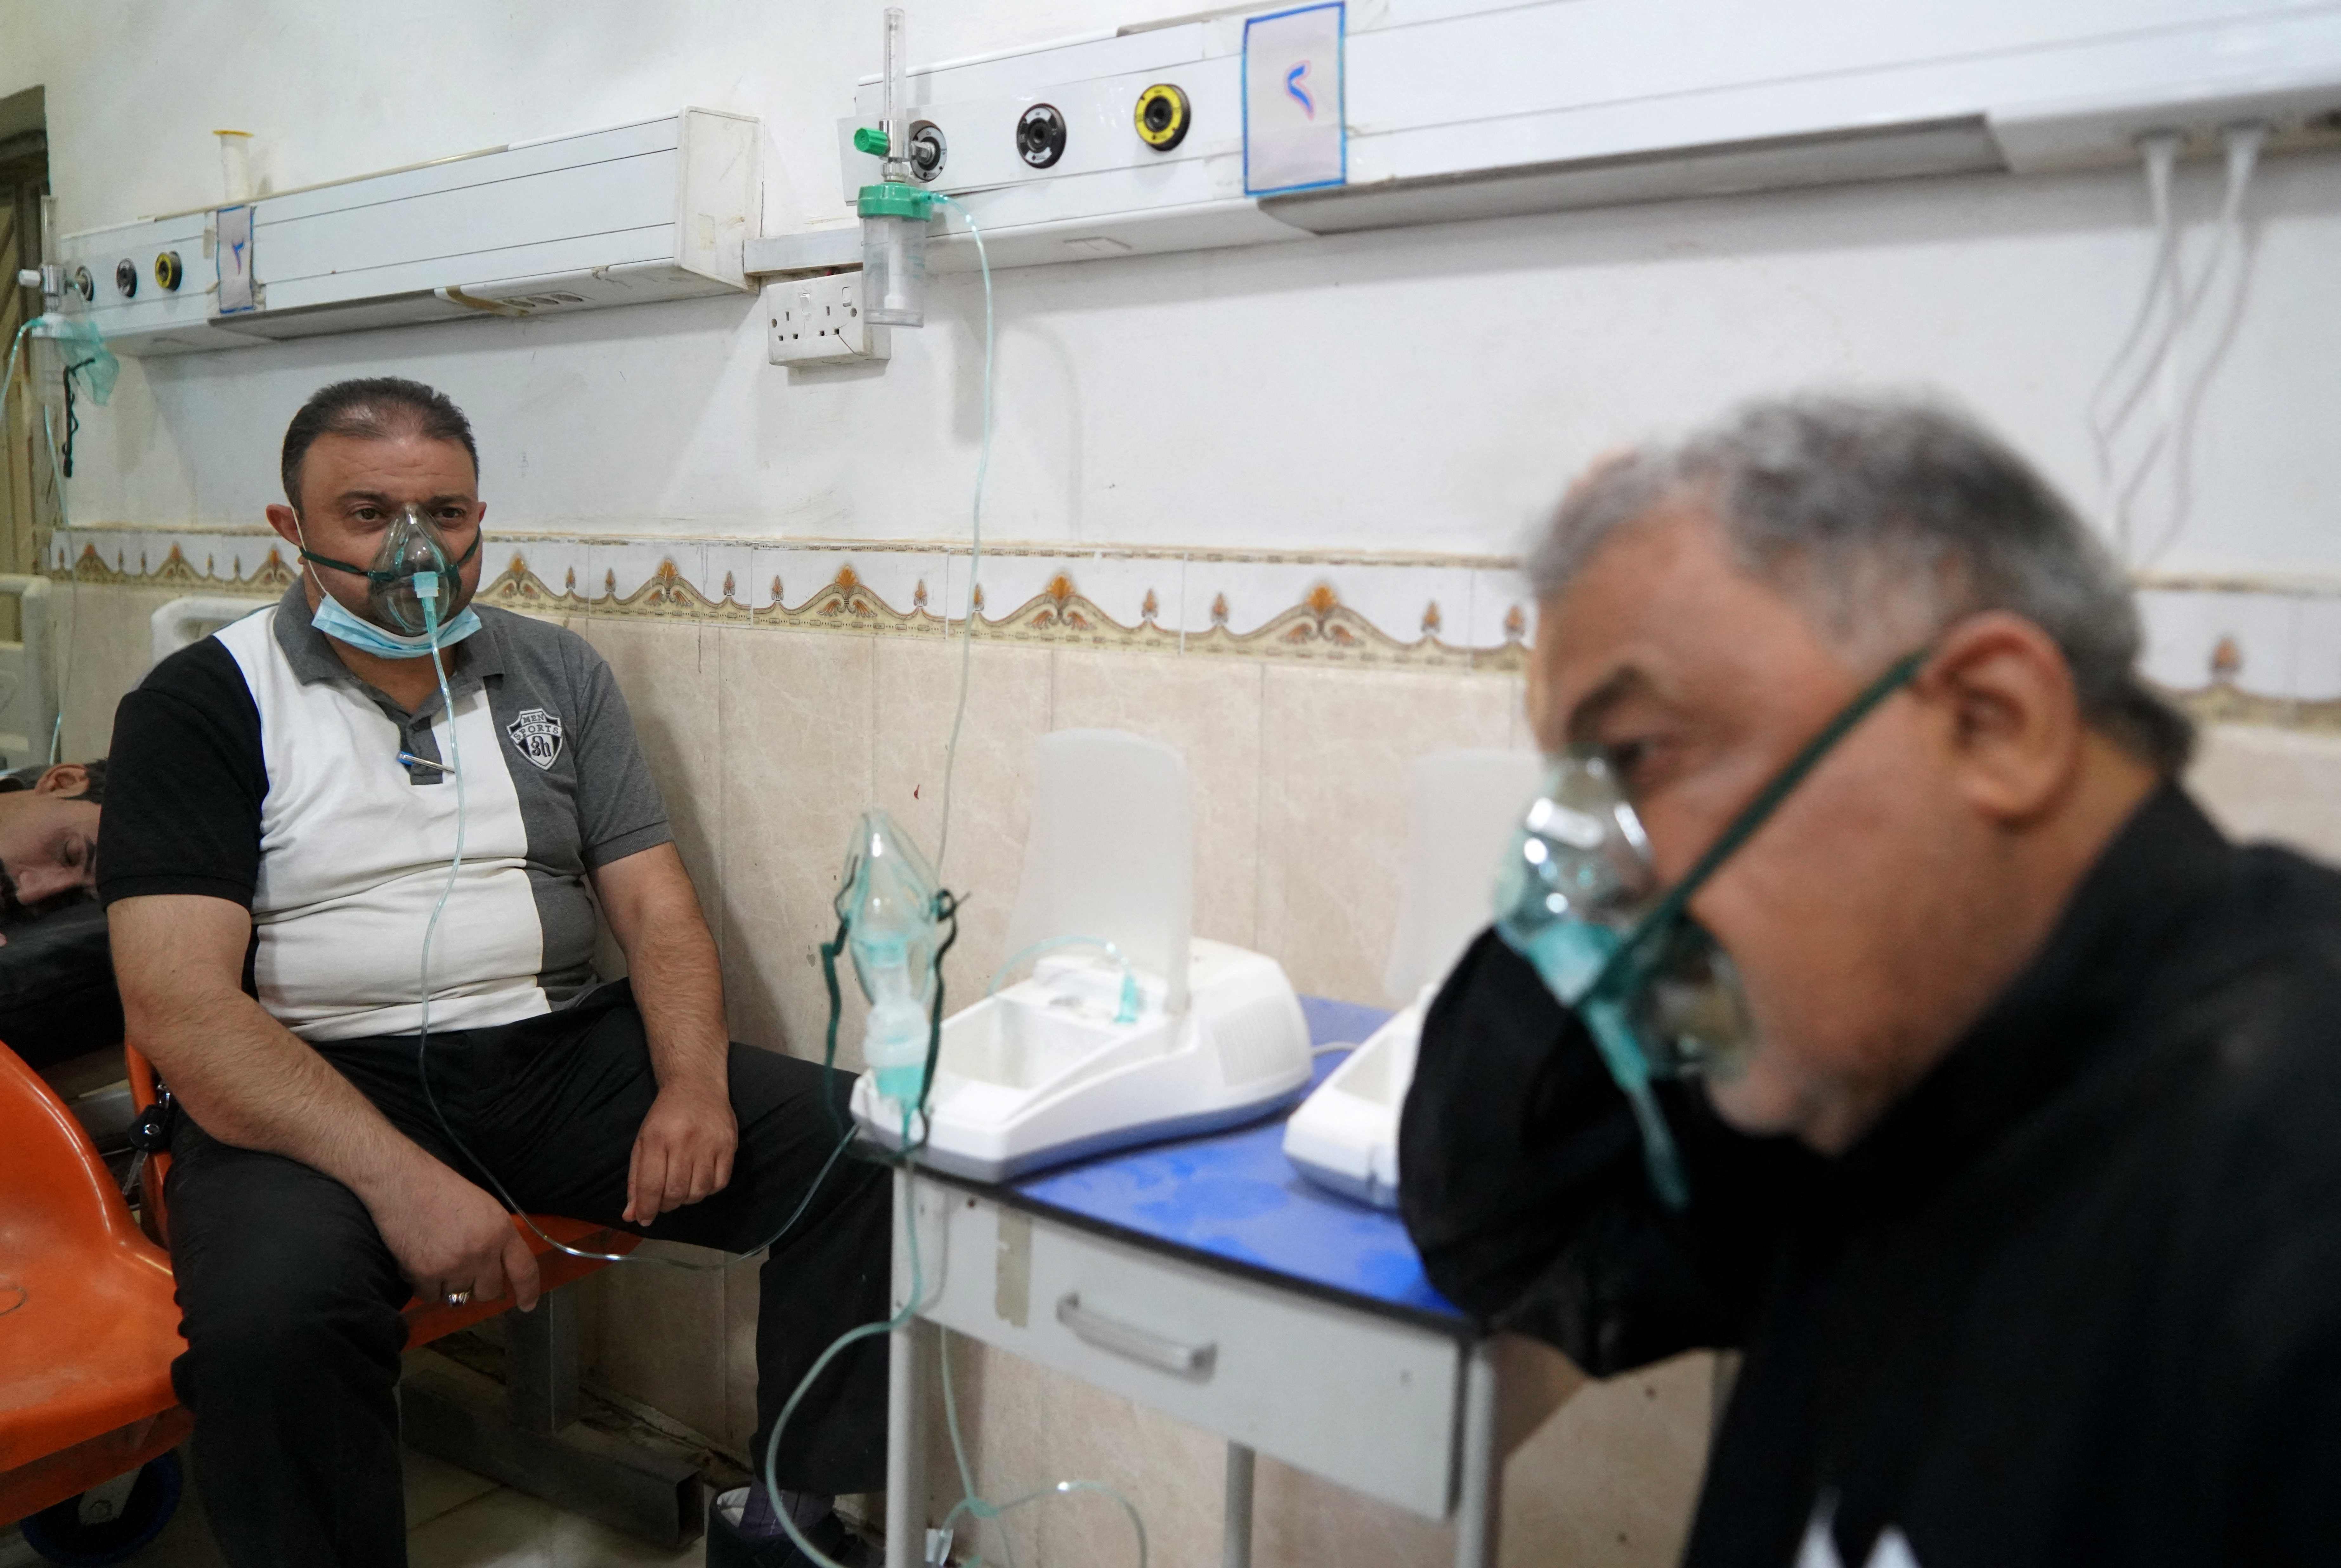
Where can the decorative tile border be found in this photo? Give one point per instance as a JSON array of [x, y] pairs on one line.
[[2233, 649], [1416, 610]]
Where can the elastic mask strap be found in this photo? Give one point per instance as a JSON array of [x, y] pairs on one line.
[[1650, 934], [369, 573], [311, 555], [304, 552], [947, 915], [829, 953]]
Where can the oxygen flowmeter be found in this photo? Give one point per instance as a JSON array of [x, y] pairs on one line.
[[894, 212]]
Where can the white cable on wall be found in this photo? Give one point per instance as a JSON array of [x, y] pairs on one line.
[[2160, 155], [2243, 151], [2168, 308]]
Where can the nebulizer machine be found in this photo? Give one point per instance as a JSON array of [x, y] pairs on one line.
[[1130, 1028], [1460, 810]]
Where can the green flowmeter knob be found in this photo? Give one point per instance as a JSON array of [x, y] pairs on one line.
[[869, 139], [892, 200]]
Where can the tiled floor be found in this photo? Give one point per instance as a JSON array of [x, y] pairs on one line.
[[454, 1520]]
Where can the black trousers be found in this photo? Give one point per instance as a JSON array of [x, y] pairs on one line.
[[291, 1301]]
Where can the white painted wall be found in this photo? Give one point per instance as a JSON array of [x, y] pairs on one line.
[[1422, 389]]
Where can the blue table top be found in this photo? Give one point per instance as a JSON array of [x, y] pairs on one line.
[[1234, 1197]]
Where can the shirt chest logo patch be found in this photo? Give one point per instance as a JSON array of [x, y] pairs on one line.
[[537, 733]]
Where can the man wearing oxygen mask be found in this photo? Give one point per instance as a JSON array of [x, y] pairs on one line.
[[1867, 994], [287, 800]]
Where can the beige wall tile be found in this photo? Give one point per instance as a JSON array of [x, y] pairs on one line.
[[1611, 1478], [2263, 783], [1335, 746], [794, 714], [1210, 710], [661, 1336], [103, 641], [667, 670], [917, 688], [1298, 1518], [1522, 735]]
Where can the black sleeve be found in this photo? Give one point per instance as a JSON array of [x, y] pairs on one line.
[[1522, 1183], [56, 987], [185, 778]]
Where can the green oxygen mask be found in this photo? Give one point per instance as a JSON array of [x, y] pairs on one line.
[[892, 910], [413, 543], [1579, 898]]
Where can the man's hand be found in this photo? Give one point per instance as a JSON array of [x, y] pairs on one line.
[[683, 1152], [178, 960], [449, 1235]]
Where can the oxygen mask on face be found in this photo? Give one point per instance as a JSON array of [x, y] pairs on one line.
[[414, 544], [892, 911], [1576, 892], [1580, 899]]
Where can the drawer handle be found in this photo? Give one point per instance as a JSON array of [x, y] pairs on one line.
[[1139, 1345]]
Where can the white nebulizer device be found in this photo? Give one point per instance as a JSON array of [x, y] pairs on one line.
[[1154, 1033]]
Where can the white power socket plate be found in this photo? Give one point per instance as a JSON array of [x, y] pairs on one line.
[[818, 320]]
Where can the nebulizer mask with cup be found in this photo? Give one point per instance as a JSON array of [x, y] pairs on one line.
[[895, 922], [1579, 898]]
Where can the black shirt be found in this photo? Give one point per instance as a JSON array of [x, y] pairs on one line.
[[2075, 1298]]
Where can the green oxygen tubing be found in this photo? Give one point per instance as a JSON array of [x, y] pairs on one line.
[[972, 1503]]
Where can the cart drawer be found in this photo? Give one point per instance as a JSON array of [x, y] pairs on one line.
[[1359, 1399]]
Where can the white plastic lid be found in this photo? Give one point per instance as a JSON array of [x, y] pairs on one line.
[[1462, 809], [1111, 851]]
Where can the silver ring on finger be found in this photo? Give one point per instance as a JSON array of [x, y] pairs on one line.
[[458, 1298]]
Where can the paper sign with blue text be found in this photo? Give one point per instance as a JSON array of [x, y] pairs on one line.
[[234, 252], [1294, 134]]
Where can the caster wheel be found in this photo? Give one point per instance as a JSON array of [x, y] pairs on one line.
[[93, 1530]]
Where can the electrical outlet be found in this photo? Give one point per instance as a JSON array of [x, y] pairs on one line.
[[817, 321]]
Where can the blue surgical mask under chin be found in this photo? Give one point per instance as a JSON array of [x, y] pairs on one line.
[[1579, 899], [413, 549], [368, 638]]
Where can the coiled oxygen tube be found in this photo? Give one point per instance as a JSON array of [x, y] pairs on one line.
[[429, 591]]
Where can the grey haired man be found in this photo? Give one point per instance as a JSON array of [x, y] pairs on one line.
[[2022, 1196]]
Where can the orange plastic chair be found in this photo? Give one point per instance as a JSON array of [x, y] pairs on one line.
[[88, 1322], [88, 1326], [425, 1320]]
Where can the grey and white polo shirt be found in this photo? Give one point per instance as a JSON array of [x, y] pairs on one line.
[[255, 767]]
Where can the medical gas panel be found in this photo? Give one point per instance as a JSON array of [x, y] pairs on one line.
[[655, 210], [1146, 139]]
